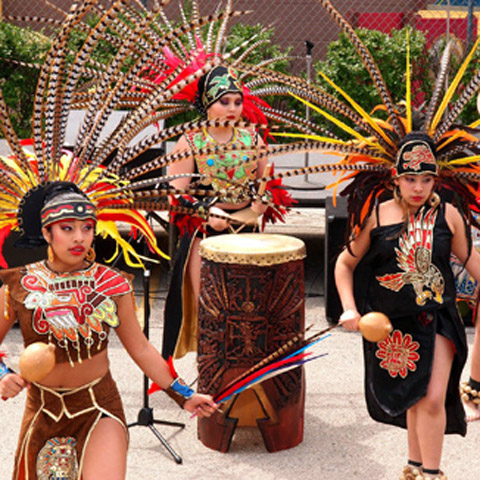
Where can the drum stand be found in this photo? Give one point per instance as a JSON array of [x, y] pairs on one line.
[[145, 415]]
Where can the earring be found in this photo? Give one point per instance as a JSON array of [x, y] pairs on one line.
[[434, 200], [90, 257], [397, 196], [50, 254]]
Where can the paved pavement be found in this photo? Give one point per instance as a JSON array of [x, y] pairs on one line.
[[340, 440]]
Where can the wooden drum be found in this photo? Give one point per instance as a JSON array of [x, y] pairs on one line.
[[252, 301]]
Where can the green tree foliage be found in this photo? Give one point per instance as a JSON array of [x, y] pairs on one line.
[[344, 67], [18, 81], [24, 46]]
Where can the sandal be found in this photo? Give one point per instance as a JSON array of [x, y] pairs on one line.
[[426, 476], [410, 472], [471, 401]]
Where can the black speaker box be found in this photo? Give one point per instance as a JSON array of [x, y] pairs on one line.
[[335, 226]]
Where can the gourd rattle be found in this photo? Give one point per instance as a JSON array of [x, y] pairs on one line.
[[375, 326], [37, 361]]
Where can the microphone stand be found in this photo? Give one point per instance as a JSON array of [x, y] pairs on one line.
[[145, 415]]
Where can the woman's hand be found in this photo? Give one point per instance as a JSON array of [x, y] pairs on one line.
[[201, 405], [218, 224], [11, 385], [349, 319], [258, 207]]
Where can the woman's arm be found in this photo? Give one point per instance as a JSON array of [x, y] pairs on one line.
[[147, 357], [11, 384], [344, 273], [184, 166], [257, 206], [188, 166], [471, 259]]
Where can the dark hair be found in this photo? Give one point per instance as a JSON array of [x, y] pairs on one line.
[[56, 188], [197, 102]]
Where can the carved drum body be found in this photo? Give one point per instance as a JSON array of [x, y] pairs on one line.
[[252, 301]]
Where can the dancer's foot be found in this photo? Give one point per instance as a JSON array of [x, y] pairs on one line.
[[472, 411], [425, 476], [410, 472], [471, 401]]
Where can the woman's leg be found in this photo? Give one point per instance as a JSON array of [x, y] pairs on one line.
[[430, 410], [414, 452], [106, 452], [471, 409], [193, 268]]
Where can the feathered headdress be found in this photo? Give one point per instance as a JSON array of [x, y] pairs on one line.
[[101, 168], [372, 153]]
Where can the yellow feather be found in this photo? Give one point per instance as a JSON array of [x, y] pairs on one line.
[[337, 122], [409, 87], [475, 124], [109, 228], [464, 160], [451, 90], [359, 110], [307, 136]]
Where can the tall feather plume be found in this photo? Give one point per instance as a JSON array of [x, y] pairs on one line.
[[44, 76], [467, 94], [223, 29], [85, 140], [158, 96], [81, 59], [369, 63], [211, 27], [408, 81], [439, 82], [451, 90], [12, 138], [196, 17]]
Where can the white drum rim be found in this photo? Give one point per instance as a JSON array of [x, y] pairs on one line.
[[250, 249]]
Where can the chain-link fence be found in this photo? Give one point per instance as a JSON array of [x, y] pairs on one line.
[[301, 26], [297, 21]]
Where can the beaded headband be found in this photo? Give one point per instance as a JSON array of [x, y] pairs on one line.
[[67, 206]]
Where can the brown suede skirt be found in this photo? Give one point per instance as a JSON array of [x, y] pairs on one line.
[[57, 425]]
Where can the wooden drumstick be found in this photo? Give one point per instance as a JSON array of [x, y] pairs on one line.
[[263, 185]]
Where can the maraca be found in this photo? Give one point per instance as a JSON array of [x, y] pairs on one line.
[[37, 361], [375, 326]]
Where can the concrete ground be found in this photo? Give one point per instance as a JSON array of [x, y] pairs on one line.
[[340, 439]]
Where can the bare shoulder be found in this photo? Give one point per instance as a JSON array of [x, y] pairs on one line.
[[182, 144], [389, 212], [453, 217]]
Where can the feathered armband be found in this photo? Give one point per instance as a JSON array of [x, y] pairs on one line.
[[186, 222]]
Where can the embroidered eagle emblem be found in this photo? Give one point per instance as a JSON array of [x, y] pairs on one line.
[[414, 258]]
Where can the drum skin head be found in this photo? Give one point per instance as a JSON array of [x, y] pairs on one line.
[[252, 248]]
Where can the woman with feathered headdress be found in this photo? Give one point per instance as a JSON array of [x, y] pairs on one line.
[[428, 164], [74, 425], [220, 95]]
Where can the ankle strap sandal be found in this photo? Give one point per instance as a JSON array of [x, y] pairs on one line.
[[410, 472], [469, 394], [426, 476]]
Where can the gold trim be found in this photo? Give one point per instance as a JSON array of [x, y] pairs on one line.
[[261, 249]]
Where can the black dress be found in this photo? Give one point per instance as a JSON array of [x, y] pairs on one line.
[[411, 281]]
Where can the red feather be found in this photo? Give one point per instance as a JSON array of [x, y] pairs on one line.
[[154, 387], [281, 199], [253, 376], [4, 233], [186, 223]]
